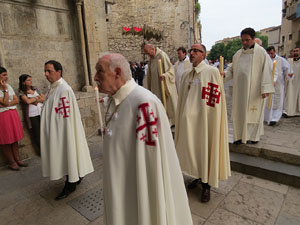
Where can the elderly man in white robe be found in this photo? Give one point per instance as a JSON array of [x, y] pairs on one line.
[[181, 65], [143, 184], [64, 149], [273, 112], [292, 98], [252, 83], [155, 79], [201, 136]]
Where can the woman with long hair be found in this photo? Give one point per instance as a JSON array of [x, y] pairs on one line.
[[32, 100], [11, 129]]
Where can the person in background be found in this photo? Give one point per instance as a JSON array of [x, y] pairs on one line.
[[259, 42], [181, 65], [140, 73], [11, 129], [155, 79], [292, 98], [32, 100], [273, 114]]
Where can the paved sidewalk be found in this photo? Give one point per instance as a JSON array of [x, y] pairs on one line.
[[28, 199]]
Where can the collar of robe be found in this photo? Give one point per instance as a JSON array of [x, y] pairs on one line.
[[296, 59], [53, 86], [182, 59], [248, 51], [124, 91], [251, 47]]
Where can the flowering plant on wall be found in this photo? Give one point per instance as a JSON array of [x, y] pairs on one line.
[[147, 32]]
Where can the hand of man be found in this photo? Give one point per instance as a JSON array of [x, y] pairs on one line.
[[222, 74], [291, 74], [3, 84], [163, 77], [101, 99], [264, 95]]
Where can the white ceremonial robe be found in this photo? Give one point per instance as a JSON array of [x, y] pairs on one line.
[[154, 82], [281, 72], [292, 98], [180, 67], [143, 183], [201, 136], [64, 149], [252, 76]]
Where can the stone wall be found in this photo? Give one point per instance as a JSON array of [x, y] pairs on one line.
[[33, 32], [169, 16]]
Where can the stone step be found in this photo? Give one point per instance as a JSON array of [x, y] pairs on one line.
[[267, 169], [277, 153]]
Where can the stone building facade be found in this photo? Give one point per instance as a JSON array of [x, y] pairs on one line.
[[290, 26], [173, 18], [71, 32]]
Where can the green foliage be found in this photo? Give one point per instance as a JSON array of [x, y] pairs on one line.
[[197, 9], [231, 48], [216, 51], [227, 51]]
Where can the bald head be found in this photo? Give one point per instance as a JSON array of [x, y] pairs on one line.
[[258, 41], [150, 50], [112, 72]]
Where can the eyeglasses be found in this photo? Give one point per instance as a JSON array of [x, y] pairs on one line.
[[195, 50]]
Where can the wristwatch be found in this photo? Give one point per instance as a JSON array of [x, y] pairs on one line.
[[5, 91]]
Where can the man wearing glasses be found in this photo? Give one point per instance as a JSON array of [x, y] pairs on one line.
[[201, 136]]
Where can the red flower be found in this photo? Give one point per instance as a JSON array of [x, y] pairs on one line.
[[137, 29], [126, 29]]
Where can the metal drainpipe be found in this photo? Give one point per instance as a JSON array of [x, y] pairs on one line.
[[83, 49], [2, 62]]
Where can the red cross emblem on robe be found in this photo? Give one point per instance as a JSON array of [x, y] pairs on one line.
[[63, 107], [211, 94], [146, 130]]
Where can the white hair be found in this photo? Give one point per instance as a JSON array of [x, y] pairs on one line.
[[118, 60]]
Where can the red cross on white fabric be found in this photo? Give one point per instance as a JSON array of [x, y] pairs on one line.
[[63, 107], [148, 126], [211, 94]]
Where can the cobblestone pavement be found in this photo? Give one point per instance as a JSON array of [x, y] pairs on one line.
[[28, 199]]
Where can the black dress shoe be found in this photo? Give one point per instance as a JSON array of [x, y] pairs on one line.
[[272, 123], [65, 193], [284, 115], [205, 195], [80, 179], [194, 183], [68, 189], [252, 142], [238, 142]]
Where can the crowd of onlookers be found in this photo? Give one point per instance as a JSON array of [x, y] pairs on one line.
[[138, 71]]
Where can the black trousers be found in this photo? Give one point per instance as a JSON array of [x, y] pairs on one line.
[[36, 130]]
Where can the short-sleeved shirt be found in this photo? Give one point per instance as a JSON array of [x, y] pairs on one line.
[[11, 94]]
